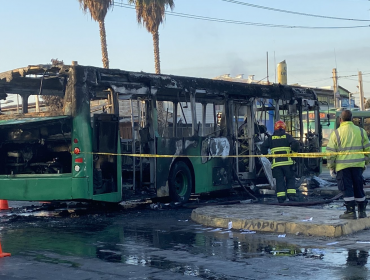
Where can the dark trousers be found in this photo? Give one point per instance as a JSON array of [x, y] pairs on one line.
[[351, 183], [285, 179]]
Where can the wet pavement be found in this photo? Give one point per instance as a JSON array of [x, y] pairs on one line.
[[166, 244]]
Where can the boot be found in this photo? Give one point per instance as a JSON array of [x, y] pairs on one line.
[[351, 211], [293, 197], [281, 199], [362, 209], [292, 194]]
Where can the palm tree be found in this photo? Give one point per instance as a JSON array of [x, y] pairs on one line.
[[98, 10], [151, 14]]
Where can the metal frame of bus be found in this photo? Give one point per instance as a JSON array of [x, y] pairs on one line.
[[327, 122], [176, 166], [201, 153]]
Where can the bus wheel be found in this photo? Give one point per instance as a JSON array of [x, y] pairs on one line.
[[180, 182]]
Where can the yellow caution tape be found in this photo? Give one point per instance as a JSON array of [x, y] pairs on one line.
[[292, 155]]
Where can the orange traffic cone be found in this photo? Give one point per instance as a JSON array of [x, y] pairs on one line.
[[2, 255], [4, 204]]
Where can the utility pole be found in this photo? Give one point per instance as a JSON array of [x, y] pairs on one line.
[[335, 88], [361, 91]]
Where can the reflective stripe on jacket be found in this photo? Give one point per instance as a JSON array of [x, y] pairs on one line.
[[279, 143], [348, 138], [284, 161]]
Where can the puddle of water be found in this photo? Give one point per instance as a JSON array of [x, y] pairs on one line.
[[144, 241]]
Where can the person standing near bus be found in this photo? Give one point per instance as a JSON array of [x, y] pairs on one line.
[[282, 167], [348, 167]]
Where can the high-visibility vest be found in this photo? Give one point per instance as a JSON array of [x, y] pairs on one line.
[[348, 139]]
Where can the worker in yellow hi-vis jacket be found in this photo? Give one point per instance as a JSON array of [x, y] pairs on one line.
[[282, 143], [348, 166]]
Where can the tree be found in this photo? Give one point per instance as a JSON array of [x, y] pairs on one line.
[[55, 103], [98, 10], [367, 103], [151, 14]]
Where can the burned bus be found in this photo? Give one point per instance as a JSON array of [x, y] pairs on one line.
[[121, 132]]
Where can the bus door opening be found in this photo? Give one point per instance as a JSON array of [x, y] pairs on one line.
[[106, 160]]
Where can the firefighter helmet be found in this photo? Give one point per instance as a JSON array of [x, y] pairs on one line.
[[280, 124]]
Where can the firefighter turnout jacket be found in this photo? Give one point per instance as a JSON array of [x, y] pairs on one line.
[[348, 138], [279, 143]]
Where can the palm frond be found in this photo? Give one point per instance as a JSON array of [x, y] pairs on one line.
[[151, 13], [98, 8]]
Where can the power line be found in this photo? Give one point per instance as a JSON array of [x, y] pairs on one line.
[[339, 77], [354, 75], [189, 16], [350, 79], [291, 12], [356, 80]]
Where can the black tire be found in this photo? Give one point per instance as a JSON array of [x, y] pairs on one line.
[[180, 182]]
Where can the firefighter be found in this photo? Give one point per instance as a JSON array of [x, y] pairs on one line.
[[348, 167], [282, 167]]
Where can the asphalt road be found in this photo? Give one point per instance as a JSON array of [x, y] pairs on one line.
[[166, 244]]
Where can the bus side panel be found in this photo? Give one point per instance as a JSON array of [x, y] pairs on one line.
[[212, 175], [28, 188], [164, 147], [108, 197]]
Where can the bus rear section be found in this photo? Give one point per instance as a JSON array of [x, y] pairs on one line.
[[63, 153], [36, 160]]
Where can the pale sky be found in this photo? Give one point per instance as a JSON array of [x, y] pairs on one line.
[[34, 32]]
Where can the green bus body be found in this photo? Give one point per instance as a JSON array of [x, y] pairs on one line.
[[359, 118], [114, 138]]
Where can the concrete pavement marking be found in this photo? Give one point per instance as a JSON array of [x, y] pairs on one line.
[[279, 219]]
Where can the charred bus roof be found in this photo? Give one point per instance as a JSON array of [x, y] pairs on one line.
[[54, 79]]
